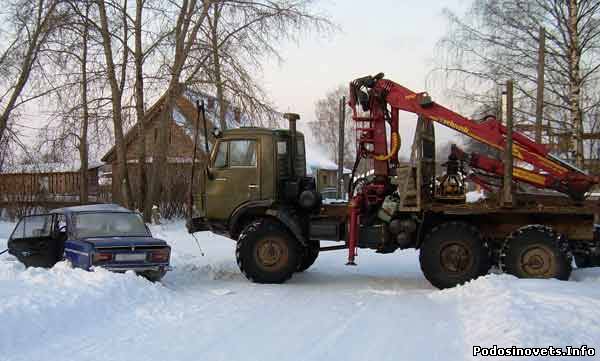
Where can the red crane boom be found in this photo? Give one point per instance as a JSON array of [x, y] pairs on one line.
[[383, 99]]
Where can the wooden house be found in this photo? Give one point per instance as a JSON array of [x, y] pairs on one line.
[[183, 120], [326, 177]]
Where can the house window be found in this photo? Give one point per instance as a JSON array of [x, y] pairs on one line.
[[155, 134]]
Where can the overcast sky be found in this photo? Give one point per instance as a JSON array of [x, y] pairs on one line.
[[394, 37]]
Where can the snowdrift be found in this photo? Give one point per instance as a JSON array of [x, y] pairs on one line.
[[383, 309]]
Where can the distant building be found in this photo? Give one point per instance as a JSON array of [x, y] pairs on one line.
[[326, 176]]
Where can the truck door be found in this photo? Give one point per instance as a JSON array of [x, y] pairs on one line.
[[34, 240], [235, 177]]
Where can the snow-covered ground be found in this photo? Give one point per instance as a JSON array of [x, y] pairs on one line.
[[383, 309]]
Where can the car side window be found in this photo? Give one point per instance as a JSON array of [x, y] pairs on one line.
[[60, 223], [221, 157], [242, 153], [33, 226]]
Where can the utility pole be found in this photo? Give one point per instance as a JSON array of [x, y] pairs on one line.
[[539, 109], [342, 124], [507, 196]]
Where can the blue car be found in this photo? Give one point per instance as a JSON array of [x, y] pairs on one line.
[[102, 235]]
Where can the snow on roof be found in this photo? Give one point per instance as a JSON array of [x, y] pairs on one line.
[[234, 118], [322, 163], [47, 167], [316, 157], [319, 162], [188, 126]]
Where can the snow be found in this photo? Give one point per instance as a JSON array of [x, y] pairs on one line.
[[475, 196], [383, 309], [232, 119]]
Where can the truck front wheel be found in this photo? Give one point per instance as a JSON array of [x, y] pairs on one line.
[[267, 253], [309, 255], [452, 254]]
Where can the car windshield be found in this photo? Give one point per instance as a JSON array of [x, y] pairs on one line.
[[107, 224]]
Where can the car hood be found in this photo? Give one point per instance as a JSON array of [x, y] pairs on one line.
[[124, 241]]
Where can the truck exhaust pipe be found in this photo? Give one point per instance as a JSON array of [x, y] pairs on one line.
[[292, 118]]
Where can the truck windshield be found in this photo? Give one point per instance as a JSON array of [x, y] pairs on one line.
[[107, 224]]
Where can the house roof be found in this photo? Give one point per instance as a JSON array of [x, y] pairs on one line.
[[185, 114]]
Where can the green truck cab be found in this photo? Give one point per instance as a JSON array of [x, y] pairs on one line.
[[246, 166], [255, 190]]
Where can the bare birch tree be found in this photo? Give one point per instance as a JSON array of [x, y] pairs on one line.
[[495, 41], [190, 18], [240, 36], [117, 85], [31, 21], [138, 58], [326, 128]]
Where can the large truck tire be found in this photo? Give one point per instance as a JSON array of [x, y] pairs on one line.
[[453, 253], [309, 255], [266, 252], [536, 251], [587, 261]]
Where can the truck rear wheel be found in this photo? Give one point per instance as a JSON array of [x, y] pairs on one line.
[[309, 255], [452, 254], [536, 251], [266, 252]]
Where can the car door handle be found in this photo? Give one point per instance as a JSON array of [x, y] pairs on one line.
[[221, 179], [253, 186]]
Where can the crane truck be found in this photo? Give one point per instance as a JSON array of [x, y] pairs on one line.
[[255, 190]]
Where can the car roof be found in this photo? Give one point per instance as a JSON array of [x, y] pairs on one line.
[[109, 207]]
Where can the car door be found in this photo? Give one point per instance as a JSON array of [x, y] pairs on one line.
[[235, 176], [32, 241]]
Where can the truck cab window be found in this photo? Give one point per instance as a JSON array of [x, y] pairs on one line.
[[242, 153], [281, 147], [221, 157]]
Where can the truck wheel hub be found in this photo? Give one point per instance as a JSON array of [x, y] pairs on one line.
[[537, 261], [456, 258], [271, 253]]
